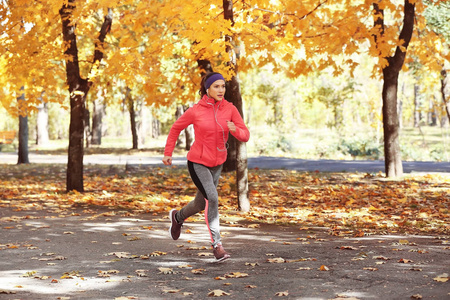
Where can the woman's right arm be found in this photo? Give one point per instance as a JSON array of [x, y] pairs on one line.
[[184, 121]]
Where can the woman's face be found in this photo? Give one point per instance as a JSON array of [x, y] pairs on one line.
[[217, 90]]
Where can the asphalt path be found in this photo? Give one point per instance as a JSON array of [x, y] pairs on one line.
[[262, 162], [51, 251]]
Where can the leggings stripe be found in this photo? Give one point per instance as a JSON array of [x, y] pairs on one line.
[[196, 180], [207, 222]]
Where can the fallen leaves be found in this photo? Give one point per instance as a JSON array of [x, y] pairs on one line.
[[217, 293], [236, 275], [277, 260], [166, 271], [324, 268], [282, 294], [350, 204], [441, 278]]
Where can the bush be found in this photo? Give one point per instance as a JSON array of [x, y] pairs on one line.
[[270, 142], [360, 147]]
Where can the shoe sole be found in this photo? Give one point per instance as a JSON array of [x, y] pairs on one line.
[[225, 257]]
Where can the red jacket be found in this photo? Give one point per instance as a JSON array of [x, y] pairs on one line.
[[211, 131]]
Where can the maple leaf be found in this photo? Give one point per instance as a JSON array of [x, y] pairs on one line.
[[141, 273], [324, 268], [441, 278], [282, 294], [157, 253], [198, 271], [217, 293], [165, 270], [236, 275]]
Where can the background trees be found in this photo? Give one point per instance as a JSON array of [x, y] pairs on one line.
[[156, 51]]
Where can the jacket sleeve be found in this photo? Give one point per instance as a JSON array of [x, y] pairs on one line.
[[241, 133], [184, 121]]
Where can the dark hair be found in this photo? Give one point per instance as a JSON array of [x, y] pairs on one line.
[[202, 90]]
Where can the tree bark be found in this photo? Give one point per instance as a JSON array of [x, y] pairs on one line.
[[42, 138], [178, 113], [237, 151], [98, 112], [23, 133], [392, 153], [445, 92], [189, 132], [78, 89], [417, 114], [130, 104]]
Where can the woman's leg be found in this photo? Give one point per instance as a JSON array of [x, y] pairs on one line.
[[206, 179]]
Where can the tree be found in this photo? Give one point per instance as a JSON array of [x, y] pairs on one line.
[[78, 89], [392, 153], [42, 137], [155, 48], [233, 93], [23, 131], [437, 15], [319, 35]]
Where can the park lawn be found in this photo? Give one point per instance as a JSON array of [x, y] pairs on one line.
[[344, 203]]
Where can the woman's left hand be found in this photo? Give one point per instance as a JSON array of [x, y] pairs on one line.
[[231, 126]]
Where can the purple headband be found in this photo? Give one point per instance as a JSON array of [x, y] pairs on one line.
[[212, 79]]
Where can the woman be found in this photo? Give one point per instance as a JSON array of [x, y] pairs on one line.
[[213, 118]]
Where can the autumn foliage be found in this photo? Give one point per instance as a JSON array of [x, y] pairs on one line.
[[153, 47], [346, 203]]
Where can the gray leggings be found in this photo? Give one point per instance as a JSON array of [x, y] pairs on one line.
[[207, 198]]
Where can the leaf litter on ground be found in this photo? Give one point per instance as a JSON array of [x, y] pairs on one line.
[[347, 203]]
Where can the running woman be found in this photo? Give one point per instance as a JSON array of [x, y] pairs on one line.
[[213, 118]]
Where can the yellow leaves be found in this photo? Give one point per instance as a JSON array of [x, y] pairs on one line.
[[350, 204], [217, 293], [442, 278], [277, 260], [107, 273], [236, 275], [165, 271], [199, 271]]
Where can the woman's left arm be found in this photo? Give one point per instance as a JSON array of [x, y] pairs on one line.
[[237, 126]]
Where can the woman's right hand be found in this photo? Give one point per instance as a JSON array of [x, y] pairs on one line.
[[167, 160]]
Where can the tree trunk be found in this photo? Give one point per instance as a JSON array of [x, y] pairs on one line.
[[392, 154], [178, 113], [142, 124], [237, 151], [417, 115], [78, 89], [23, 133], [445, 91], [205, 66], [130, 104], [87, 126], [42, 138], [156, 128], [432, 113], [189, 132], [98, 112]]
